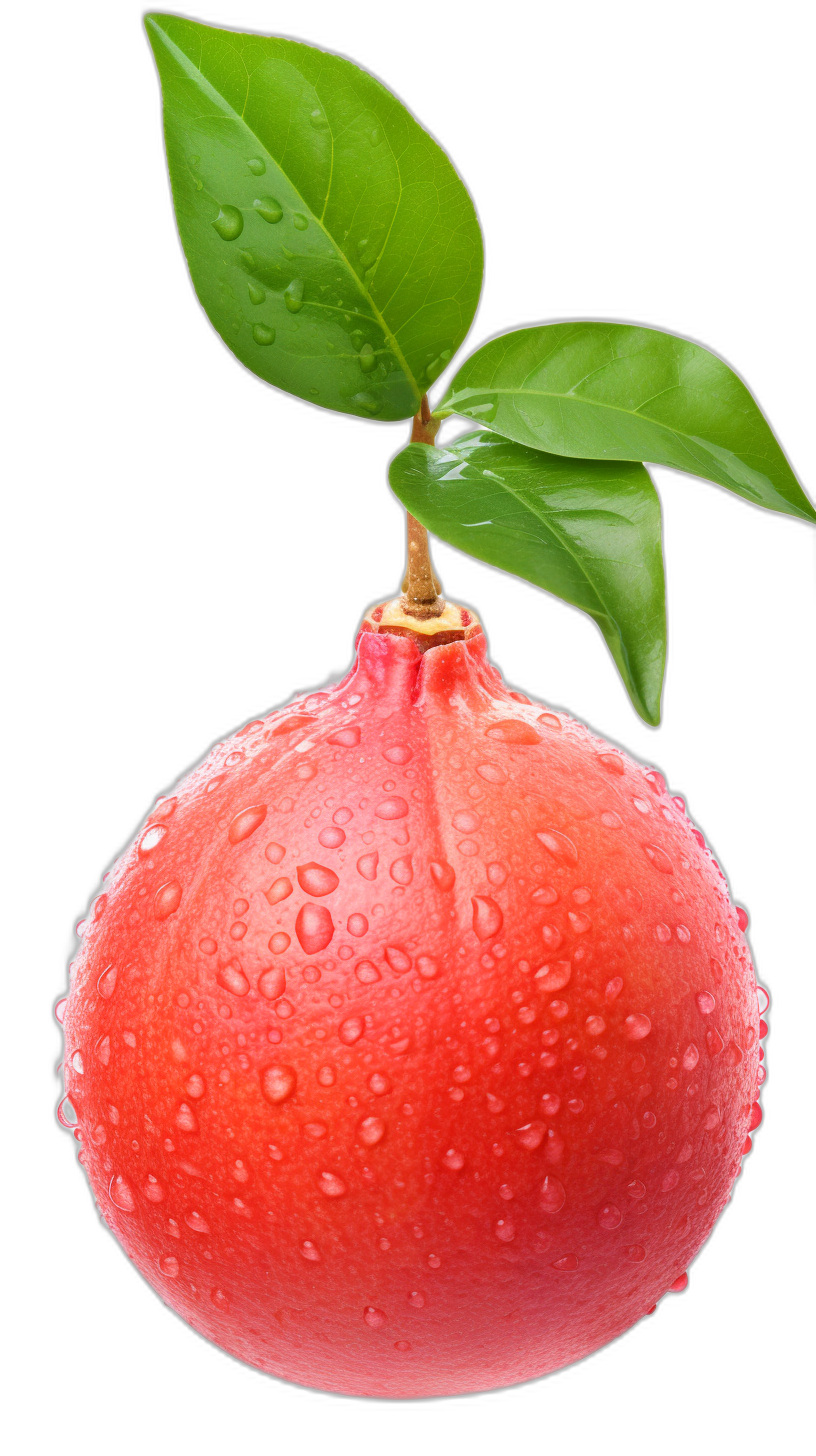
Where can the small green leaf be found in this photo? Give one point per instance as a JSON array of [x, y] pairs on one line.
[[617, 392], [588, 531], [329, 239]]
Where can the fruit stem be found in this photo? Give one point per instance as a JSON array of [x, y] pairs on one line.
[[421, 587]]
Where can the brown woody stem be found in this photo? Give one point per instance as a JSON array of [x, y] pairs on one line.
[[421, 597]]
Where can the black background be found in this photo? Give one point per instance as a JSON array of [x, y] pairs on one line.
[[193, 568]]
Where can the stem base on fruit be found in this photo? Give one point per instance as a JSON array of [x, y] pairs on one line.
[[452, 624]]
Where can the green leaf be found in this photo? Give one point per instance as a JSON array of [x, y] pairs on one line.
[[329, 239], [616, 392], [588, 531]]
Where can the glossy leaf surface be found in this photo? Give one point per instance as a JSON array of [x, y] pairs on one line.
[[329, 239], [588, 531], [617, 392]]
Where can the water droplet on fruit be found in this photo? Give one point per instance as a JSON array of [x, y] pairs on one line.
[[367, 865], [246, 823], [351, 1030], [371, 1131], [272, 983], [169, 1266], [714, 1042], [559, 846], [366, 973], [232, 978], [331, 1185], [393, 808], [120, 1194], [402, 870], [553, 976], [531, 1135], [314, 928], [278, 1083], [637, 1026], [443, 876], [514, 731], [659, 858], [567, 1265], [705, 1003], [609, 1216], [106, 985], [553, 1195], [167, 900], [487, 917], [399, 753], [317, 879]]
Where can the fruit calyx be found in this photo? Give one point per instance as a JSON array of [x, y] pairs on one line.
[[450, 624]]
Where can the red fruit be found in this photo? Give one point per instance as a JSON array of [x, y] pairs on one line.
[[414, 1043]]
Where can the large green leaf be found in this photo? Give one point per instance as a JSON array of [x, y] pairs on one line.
[[329, 239], [586, 530], [616, 392]]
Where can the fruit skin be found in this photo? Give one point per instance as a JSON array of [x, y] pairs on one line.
[[503, 1167]]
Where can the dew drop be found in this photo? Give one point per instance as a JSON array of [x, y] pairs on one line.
[[232, 978], [443, 876], [229, 224], [637, 1026], [263, 334], [487, 917], [367, 865], [246, 823], [351, 1030], [167, 900], [268, 208], [371, 1131], [559, 846], [316, 879], [314, 927], [278, 1083], [553, 1195], [331, 1185], [106, 985], [293, 295], [272, 983]]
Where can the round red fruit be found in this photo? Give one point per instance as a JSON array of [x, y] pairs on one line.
[[413, 1045]]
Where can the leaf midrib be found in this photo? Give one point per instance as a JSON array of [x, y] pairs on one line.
[[195, 73], [595, 404]]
